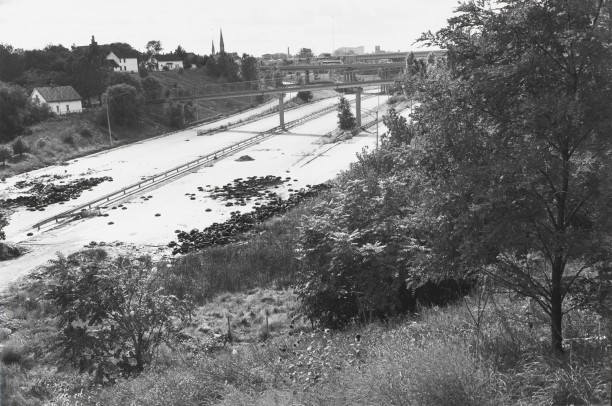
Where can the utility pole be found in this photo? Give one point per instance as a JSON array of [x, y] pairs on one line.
[[110, 135]]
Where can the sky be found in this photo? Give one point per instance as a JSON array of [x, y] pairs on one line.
[[255, 27]]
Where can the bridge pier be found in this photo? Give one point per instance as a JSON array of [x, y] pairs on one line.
[[358, 107], [281, 109]]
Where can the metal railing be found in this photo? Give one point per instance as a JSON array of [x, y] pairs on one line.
[[180, 170]]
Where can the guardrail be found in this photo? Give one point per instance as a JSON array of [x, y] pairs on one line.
[[180, 170]]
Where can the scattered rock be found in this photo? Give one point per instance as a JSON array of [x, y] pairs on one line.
[[244, 158]]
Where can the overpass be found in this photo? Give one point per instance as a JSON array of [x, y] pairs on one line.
[[274, 86]]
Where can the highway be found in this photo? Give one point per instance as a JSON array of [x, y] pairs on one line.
[[150, 224]]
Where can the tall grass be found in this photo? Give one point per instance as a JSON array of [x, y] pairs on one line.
[[265, 258]]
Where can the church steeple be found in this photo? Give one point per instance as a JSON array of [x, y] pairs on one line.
[[221, 45], [213, 47]]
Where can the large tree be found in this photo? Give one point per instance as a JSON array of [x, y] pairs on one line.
[[517, 145], [249, 68]]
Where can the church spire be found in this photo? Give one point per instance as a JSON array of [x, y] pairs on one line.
[[221, 44], [213, 47]]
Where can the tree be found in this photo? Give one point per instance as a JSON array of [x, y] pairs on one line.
[[89, 71], [12, 103], [306, 53], [249, 68], [211, 67], [19, 146], [346, 119], [11, 63], [5, 153], [124, 104], [518, 146], [180, 52], [228, 68], [113, 313], [154, 47], [399, 130]]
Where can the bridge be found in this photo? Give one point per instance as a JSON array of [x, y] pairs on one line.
[[278, 87]]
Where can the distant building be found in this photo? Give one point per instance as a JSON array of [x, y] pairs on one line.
[[349, 51], [124, 61], [61, 99], [164, 62]]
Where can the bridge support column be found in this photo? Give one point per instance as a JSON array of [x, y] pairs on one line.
[[281, 109], [307, 78], [358, 106]]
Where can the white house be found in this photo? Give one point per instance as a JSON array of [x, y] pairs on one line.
[[124, 61], [61, 99], [164, 62]]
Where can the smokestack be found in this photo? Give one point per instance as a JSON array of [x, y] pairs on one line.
[[288, 54]]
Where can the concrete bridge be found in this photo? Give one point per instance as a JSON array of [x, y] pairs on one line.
[[275, 86]]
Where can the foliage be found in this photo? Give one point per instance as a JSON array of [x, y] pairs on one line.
[[399, 130], [227, 66], [118, 78], [5, 153], [124, 104], [360, 249], [346, 119], [180, 52], [113, 314], [89, 71], [3, 221], [11, 64], [12, 102], [152, 88], [154, 47], [517, 147], [249, 68], [143, 72], [174, 114], [19, 146], [305, 96], [211, 67]]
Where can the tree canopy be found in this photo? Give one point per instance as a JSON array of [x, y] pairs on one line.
[[517, 145]]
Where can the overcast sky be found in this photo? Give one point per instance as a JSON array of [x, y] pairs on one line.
[[249, 26]]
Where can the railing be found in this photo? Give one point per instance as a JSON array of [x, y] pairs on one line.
[[182, 169]]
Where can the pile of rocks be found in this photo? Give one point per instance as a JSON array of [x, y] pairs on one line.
[[228, 231], [42, 194]]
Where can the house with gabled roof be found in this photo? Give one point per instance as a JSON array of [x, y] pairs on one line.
[[164, 62], [124, 60], [61, 99]]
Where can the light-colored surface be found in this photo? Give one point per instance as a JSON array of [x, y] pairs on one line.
[[298, 154]]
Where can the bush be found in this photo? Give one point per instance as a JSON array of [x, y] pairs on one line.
[[181, 71], [113, 314], [86, 132], [68, 139], [305, 96], [152, 88], [174, 114], [19, 146], [5, 153]]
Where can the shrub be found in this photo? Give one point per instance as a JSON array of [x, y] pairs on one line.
[[19, 146], [5, 153], [152, 88], [305, 96], [181, 71], [68, 139], [112, 313], [86, 132], [11, 355], [346, 119]]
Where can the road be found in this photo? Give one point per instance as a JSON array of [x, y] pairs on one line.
[[151, 224]]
